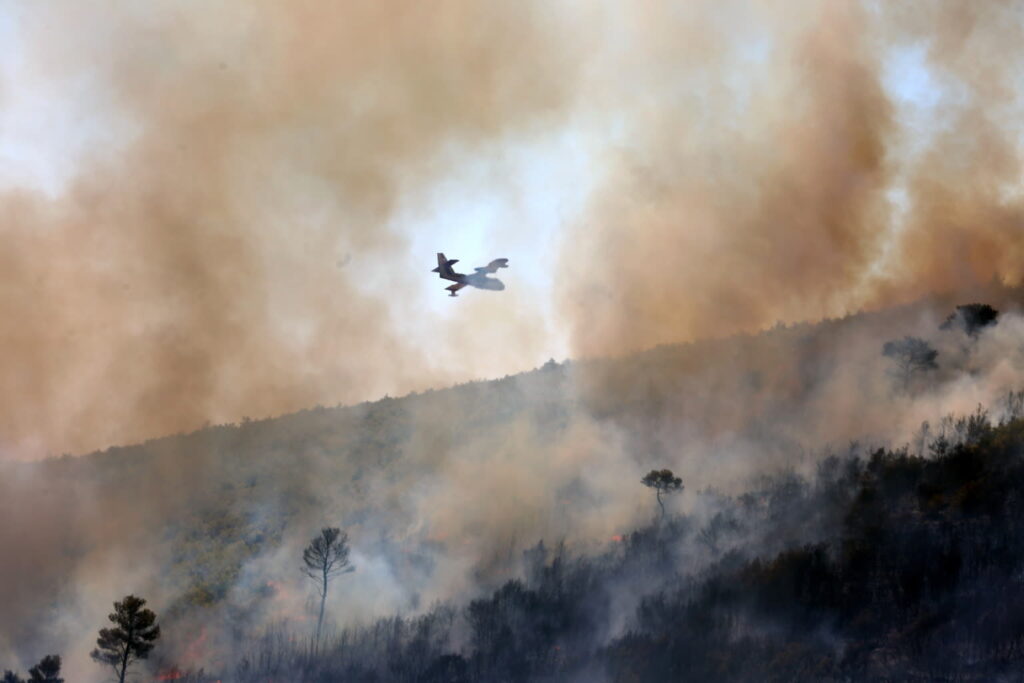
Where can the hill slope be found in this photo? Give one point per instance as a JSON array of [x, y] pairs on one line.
[[442, 491]]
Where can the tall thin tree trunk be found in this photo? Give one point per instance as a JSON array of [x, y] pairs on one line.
[[124, 660], [320, 621], [658, 493]]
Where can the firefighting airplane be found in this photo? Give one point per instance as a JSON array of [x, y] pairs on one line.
[[478, 279]]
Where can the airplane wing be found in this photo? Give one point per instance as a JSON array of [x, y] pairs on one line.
[[454, 288], [493, 266], [444, 267]]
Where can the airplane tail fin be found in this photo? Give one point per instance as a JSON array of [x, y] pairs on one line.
[[440, 263], [444, 265]]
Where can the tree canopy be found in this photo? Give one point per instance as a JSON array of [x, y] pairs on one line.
[[971, 318], [46, 671], [663, 482], [912, 355], [133, 636]]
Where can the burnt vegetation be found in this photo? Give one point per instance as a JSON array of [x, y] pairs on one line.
[[46, 671], [875, 563], [324, 558], [971, 319], [911, 357], [918, 578]]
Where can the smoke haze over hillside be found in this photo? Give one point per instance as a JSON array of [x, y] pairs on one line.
[[216, 258], [442, 491], [234, 233], [224, 244], [770, 167]]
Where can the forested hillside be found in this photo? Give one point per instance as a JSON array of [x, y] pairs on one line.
[[881, 566], [834, 521]]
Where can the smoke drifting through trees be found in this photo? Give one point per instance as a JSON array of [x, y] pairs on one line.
[[323, 559], [809, 577], [911, 356], [443, 489], [46, 671], [723, 209], [971, 319]]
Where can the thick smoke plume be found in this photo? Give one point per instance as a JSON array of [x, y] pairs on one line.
[[777, 165], [222, 255], [212, 261], [752, 167]]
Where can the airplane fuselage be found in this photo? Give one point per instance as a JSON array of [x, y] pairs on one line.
[[481, 281]]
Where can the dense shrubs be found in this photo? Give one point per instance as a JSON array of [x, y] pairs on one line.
[[891, 566]]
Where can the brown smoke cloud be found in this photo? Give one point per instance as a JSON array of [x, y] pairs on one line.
[[213, 262], [222, 257], [192, 273], [762, 152], [966, 213]]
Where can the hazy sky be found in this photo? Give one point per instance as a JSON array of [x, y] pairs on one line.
[[225, 209], [508, 197]]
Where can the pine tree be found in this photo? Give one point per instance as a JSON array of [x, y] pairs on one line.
[[971, 318], [911, 356], [46, 671], [664, 483], [325, 557], [132, 638]]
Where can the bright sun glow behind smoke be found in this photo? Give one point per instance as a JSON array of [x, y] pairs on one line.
[[530, 190]]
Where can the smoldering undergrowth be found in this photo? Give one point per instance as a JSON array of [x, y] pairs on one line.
[[443, 491], [881, 563]]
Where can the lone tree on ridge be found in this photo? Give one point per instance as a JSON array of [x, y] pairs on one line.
[[664, 483]]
